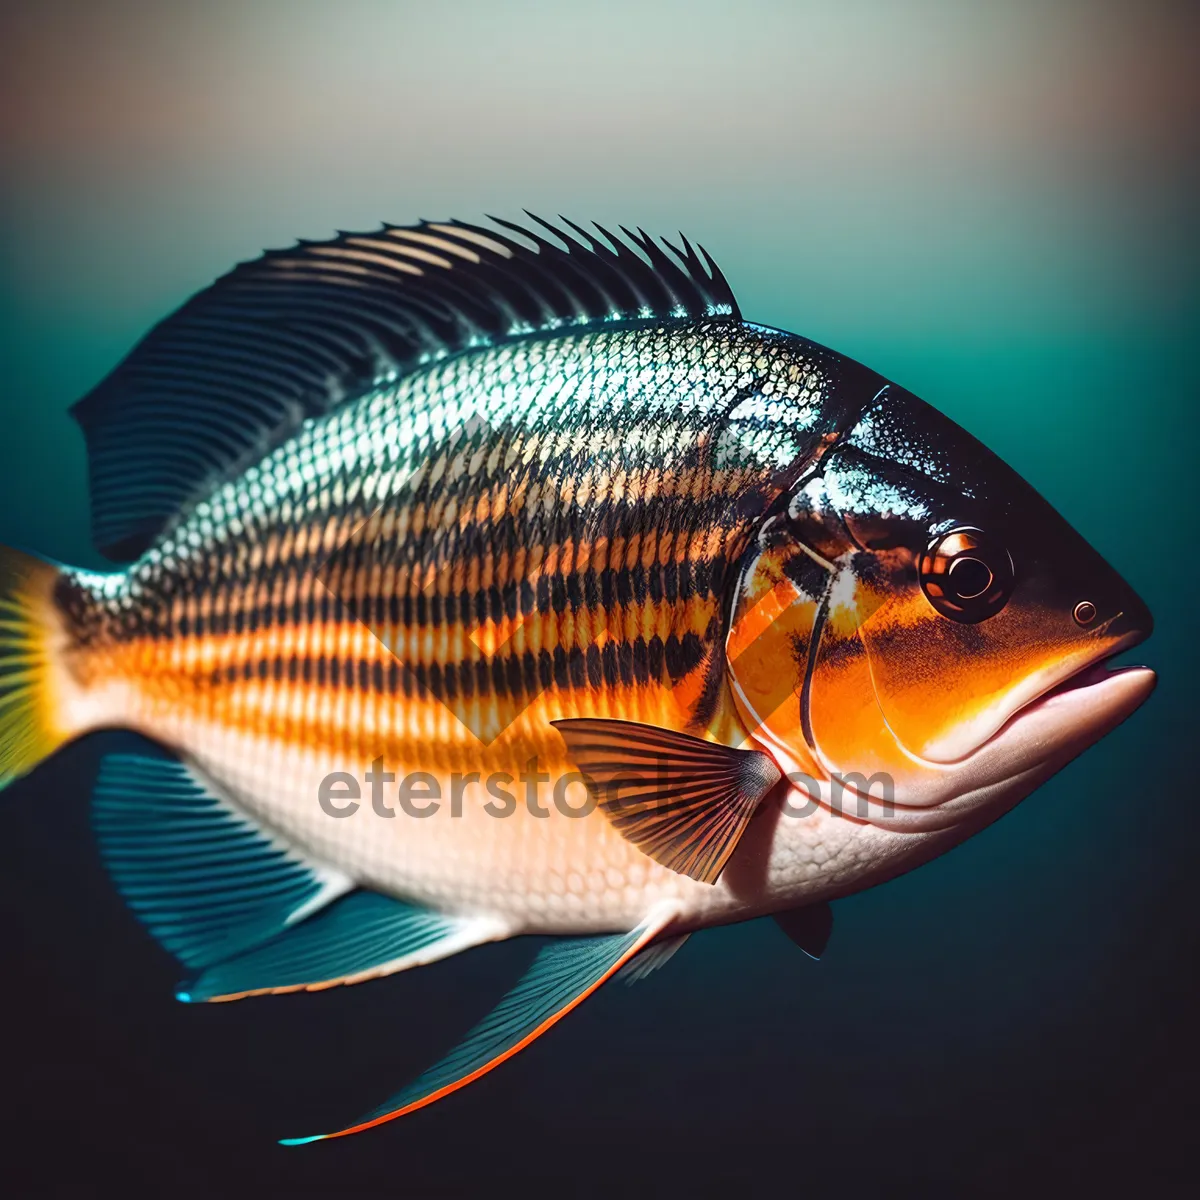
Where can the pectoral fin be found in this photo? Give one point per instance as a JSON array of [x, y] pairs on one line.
[[562, 976], [683, 801]]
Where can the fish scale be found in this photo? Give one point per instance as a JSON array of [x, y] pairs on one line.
[[281, 678]]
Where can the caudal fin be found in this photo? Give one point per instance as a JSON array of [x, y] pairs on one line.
[[32, 638]]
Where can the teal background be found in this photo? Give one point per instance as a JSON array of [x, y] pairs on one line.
[[992, 204]]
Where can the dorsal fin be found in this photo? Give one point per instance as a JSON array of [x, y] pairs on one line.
[[237, 369]]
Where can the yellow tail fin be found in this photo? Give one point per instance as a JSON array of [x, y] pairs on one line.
[[31, 636]]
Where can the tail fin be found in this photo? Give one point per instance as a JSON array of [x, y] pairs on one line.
[[32, 637]]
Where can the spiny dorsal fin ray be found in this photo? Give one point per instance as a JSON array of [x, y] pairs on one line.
[[237, 369]]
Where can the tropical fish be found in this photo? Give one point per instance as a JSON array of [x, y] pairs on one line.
[[485, 581]]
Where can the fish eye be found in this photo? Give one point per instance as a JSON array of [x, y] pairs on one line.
[[967, 575]]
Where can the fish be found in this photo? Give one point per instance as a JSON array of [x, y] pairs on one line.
[[476, 581]]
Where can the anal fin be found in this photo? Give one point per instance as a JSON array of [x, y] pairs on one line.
[[562, 976], [205, 880], [359, 937]]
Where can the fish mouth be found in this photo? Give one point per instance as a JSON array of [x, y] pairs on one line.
[[1040, 738], [1096, 699], [1047, 733], [1096, 692], [1086, 677], [1037, 741]]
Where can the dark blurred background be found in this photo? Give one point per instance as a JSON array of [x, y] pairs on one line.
[[995, 205]]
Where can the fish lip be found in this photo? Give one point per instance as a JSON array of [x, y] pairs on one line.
[[1034, 743], [1088, 674], [1094, 674]]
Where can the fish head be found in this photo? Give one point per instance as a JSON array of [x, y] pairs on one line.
[[920, 622]]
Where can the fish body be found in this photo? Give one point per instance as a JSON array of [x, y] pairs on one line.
[[563, 489], [441, 542]]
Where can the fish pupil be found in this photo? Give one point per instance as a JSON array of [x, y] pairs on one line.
[[970, 577]]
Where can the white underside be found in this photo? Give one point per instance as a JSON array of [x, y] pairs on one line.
[[540, 874], [526, 873]]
